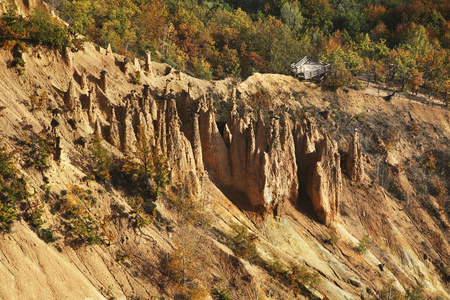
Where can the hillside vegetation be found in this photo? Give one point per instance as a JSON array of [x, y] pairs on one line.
[[405, 41]]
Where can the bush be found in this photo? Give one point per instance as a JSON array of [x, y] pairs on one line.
[[363, 246], [19, 62], [38, 102], [41, 154], [102, 163], [12, 189], [300, 278], [11, 27], [243, 244], [33, 215], [221, 293], [82, 226], [357, 85], [148, 164], [136, 78]]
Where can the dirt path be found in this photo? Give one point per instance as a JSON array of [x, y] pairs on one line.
[[382, 90]]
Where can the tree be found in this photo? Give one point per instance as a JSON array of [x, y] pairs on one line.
[[150, 24], [415, 81], [318, 13], [102, 162], [187, 266], [338, 75], [402, 64], [44, 29], [147, 163], [11, 27], [292, 17]]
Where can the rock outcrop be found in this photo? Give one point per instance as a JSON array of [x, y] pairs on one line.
[[259, 161], [71, 97], [255, 166], [354, 163], [319, 171]]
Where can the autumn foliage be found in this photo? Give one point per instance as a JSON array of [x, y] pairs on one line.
[[404, 41]]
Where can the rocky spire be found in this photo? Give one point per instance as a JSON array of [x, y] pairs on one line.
[[71, 97], [197, 143], [354, 163], [325, 184], [103, 81]]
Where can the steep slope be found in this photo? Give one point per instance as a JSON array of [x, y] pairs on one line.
[[270, 155]]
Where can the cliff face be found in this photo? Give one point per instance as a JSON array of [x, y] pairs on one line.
[[259, 169], [253, 162], [23, 8]]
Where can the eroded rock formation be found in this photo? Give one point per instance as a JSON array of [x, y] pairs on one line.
[[259, 161], [354, 163], [319, 170]]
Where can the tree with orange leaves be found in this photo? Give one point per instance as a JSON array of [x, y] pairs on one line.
[[415, 81]]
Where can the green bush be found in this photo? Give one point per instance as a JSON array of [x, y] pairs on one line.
[[19, 62], [363, 246], [33, 215], [243, 244], [41, 154], [221, 293], [82, 226], [136, 78], [147, 164], [12, 189], [300, 279], [102, 162]]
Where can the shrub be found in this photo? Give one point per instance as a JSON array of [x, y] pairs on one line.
[[12, 189], [300, 278], [182, 200], [11, 27], [82, 226], [46, 188], [414, 128], [363, 246], [334, 237], [123, 257], [41, 154], [38, 102], [221, 293], [102, 162], [357, 85], [33, 214], [430, 162], [243, 244], [136, 78], [148, 163], [18, 61]]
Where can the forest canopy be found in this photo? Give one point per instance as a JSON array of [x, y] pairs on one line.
[[400, 40]]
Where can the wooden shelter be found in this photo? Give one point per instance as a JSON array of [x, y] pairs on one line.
[[307, 69]]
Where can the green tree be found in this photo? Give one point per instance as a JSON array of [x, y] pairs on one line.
[[148, 163], [338, 75], [292, 17], [11, 26], [44, 29], [102, 162], [401, 65], [318, 13]]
